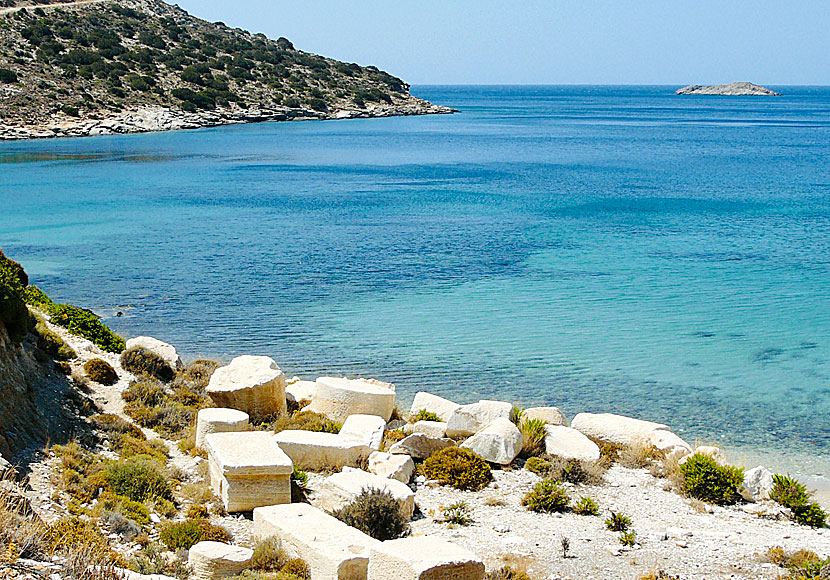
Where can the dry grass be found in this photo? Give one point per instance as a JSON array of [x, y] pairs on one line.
[[639, 455], [669, 469], [19, 526]]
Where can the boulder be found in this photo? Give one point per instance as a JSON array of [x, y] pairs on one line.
[[423, 558], [500, 442], [467, 420], [162, 349], [715, 453], [214, 560], [431, 428], [343, 488], [219, 420], [316, 451], [391, 466], [332, 549], [757, 484], [297, 390], [248, 470], [338, 398], [434, 404], [420, 446], [616, 429], [253, 384], [366, 429], [550, 415], [569, 443], [669, 443]]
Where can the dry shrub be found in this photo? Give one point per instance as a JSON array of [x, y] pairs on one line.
[[19, 525], [183, 535], [533, 435], [639, 454], [390, 437], [100, 371], [568, 470], [459, 468], [669, 469], [140, 361], [306, 421], [375, 513]]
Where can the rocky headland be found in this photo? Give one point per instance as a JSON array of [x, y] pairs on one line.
[[731, 89]]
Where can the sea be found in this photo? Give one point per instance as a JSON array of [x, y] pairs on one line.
[[597, 248]]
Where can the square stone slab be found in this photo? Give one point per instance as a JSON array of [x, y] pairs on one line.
[[248, 453]]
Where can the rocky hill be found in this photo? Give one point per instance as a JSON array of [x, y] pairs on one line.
[[731, 90], [100, 66]]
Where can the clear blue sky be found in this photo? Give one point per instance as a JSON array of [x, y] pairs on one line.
[[554, 42]]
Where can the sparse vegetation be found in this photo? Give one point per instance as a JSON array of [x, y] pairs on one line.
[[183, 535], [802, 564], [375, 513], [628, 538], [507, 573], [618, 522], [548, 496], [306, 421], [100, 371], [458, 514], [707, 480], [586, 507], [793, 494], [13, 312], [52, 344], [459, 468], [143, 362], [533, 435], [424, 415], [568, 470]]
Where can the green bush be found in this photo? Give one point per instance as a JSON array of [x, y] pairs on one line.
[[628, 538], [128, 508], [618, 522], [793, 494], [306, 421], [138, 480], [375, 513], [296, 568], [541, 466], [459, 468], [424, 415], [13, 312], [74, 532], [707, 480], [141, 361], [586, 507], [533, 434], [100, 371], [458, 513], [52, 344], [548, 496], [184, 535]]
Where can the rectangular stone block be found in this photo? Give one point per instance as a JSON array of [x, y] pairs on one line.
[[315, 451], [423, 558]]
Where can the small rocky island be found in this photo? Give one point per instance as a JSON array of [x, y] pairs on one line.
[[731, 90]]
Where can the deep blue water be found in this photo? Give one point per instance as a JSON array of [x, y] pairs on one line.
[[596, 248]]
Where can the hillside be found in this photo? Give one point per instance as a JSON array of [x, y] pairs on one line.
[[99, 66]]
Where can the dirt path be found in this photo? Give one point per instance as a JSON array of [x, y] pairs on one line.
[[48, 7]]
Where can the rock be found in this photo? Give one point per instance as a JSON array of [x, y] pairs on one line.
[[297, 390], [757, 484], [219, 420], [500, 442], [423, 558], [343, 488], [550, 415], [434, 404], [731, 89], [714, 452], [431, 428], [164, 350], [214, 560], [614, 428], [400, 467], [467, 420], [332, 549], [338, 398], [248, 470], [420, 446], [767, 509], [365, 429], [569, 443], [668, 443], [316, 451], [253, 384]]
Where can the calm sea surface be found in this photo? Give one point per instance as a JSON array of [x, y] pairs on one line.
[[594, 248]]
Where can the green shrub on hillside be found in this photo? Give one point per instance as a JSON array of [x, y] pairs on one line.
[[793, 494], [459, 468], [548, 496], [13, 312], [52, 344], [141, 361], [138, 479], [7, 76], [100, 371], [586, 507], [533, 435], [128, 508], [184, 535], [707, 480], [150, 405], [375, 513]]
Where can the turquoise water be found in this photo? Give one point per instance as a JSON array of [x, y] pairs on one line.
[[596, 248]]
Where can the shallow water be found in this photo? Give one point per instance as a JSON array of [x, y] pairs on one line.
[[596, 248]]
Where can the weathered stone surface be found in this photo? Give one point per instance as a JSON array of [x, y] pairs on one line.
[[214, 560], [500, 442], [757, 484], [297, 390], [154, 345], [333, 550], [248, 470], [315, 451], [434, 404], [431, 428], [420, 446], [392, 466], [614, 428], [550, 415], [669, 443], [569, 443], [337, 398], [366, 429], [253, 384], [467, 420], [219, 420], [715, 453], [423, 558], [343, 488], [731, 89]]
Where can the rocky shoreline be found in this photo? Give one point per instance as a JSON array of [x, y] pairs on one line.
[[730, 90]]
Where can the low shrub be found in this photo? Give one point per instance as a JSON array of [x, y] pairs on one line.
[[793, 494], [295, 568], [52, 344], [120, 524], [184, 535], [628, 538], [547, 496], [568, 470], [299, 485], [424, 415], [506, 573], [375, 513], [269, 556], [143, 362], [706, 479], [586, 507], [802, 564], [151, 406], [306, 421], [114, 427], [639, 454], [100, 371], [19, 526], [458, 514], [459, 468], [74, 532], [533, 435], [138, 479], [196, 512], [618, 522], [133, 510]]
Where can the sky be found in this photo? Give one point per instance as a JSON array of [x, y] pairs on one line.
[[676, 42]]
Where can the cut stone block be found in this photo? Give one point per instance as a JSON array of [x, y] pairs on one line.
[[367, 429], [332, 549], [162, 349], [214, 560], [343, 488], [423, 558], [219, 420], [550, 415], [420, 446], [248, 470], [253, 384], [431, 428], [400, 467], [569, 443], [337, 398], [468, 420], [297, 390], [614, 428], [500, 442], [434, 404], [315, 451]]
